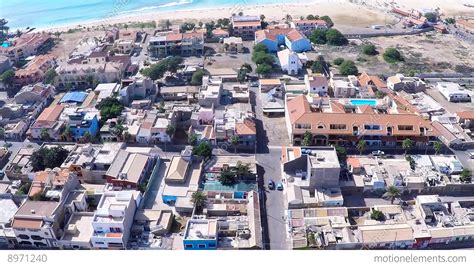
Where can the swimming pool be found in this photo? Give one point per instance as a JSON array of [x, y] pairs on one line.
[[5, 44], [364, 102]]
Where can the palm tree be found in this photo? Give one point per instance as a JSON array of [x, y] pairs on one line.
[[235, 141], [407, 145], [227, 176], [2, 133], [199, 199], [242, 170], [3, 29], [288, 18], [125, 26], [67, 134], [392, 194], [361, 146], [437, 147]]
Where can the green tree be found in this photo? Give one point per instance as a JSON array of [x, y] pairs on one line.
[[348, 67], [466, 176], [198, 198], [431, 17], [166, 24], [156, 71], [377, 215], [48, 158], [110, 107], [197, 77], [2, 133], [307, 139], [407, 145], [392, 55], [328, 21], [263, 58], [338, 61], [341, 152], [67, 134], [380, 94], [44, 134], [203, 149], [242, 170], [235, 141], [361, 146], [318, 36], [369, 49], [263, 69], [335, 37], [243, 72], [7, 78], [392, 194], [437, 146], [3, 29], [318, 67], [193, 139], [227, 177], [260, 48], [87, 137], [170, 129], [49, 76]]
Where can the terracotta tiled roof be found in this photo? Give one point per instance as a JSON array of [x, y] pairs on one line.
[[466, 115], [27, 223], [365, 80], [247, 127], [465, 23], [51, 113], [247, 23], [300, 113], [271, 34]]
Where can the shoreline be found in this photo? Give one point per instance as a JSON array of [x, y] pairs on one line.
[[342, 12]]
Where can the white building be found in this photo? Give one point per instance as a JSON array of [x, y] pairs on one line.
[[113, 220], [453, 92], [210, 92], [289, 62], [316, 84]]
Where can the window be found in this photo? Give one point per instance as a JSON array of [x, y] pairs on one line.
[[212, 245], [36, 237], [405, 127], [303, 126], [201, 246], [189, 246], [337, 126], [372, 127], [99, 243]]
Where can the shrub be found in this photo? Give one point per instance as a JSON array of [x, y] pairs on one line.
[[348, 67], [392, 55], [338, 61]]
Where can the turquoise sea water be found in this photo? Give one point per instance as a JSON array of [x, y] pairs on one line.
[[51, 13]]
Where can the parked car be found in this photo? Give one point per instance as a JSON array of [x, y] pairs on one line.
[[253, 84], [280, 186], [378, 153], [271, 184], [471, 154]]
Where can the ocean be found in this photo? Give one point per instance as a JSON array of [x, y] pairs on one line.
[[53, 13]]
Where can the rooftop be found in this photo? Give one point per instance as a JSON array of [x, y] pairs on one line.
[[79, 227], [201, 229]]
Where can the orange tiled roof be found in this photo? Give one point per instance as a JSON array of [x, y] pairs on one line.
[[300, 113], [51, 113], [466, 115], [247, 127]]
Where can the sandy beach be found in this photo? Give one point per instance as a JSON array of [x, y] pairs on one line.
[[343, 12]]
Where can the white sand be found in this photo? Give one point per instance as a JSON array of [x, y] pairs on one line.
[[343, 12]]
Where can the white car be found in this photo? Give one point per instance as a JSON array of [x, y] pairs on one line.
[[471, 154], [378, 153]]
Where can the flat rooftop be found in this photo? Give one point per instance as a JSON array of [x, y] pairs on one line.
[[8, 208], [79, 228], [201, 229]]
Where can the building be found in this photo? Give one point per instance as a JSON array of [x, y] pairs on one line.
[[289, 62], [135, 89], [129, 170], [233, 45], [35, 70], [4, 64], [15, 131], [237, 120], [339, 125], [47, 125], [113, 219], [266, 85], [8, 208], [97, 66], [78, 231], [408, 84], [37, 94], [245, 26], [106, 90], [453, 92], [466, 119], [308, 26], [200, 234], [181, 181], [20, 166], [52, 184], [26, 45], [466, 25], [345, 88], [313, 176], [173, 43], [210, 92], [290, 38], [219, 34], [316, 84], [82, 124], [36, 224], [91, 162]]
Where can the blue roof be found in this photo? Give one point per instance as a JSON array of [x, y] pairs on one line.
[[74, 96]]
